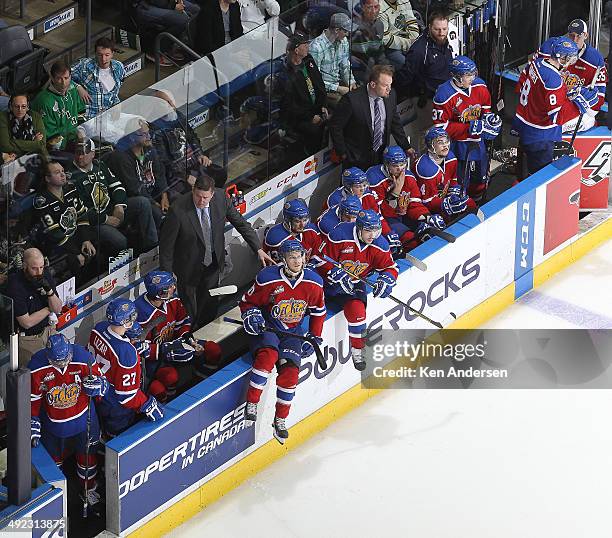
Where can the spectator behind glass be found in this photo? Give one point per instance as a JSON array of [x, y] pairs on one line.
[[401, 29], [253, 13], [367, 38], [137, 165], [63, 219], [331, 53], [303, 97], [217, 24], [4, 99], [21, 130], [103, 195], [101, 77], [60, 104]]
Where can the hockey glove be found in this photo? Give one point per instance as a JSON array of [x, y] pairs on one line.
[[475, 128], [583, 98], [454, 204], [456, 189], [152, 409], [143, 348], [339, 277], [177, 351], [307, 347], [95, 386], [35, 429], [253, 321], [394, 241], [384, 285], [435, 221], [491, 126]]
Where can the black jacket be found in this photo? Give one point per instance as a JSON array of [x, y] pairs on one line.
[[351, 128], [426, 67], [208, 31], [139, 179], [181, 242], [296, 106]]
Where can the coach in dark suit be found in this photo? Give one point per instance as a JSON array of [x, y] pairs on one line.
[[192, 245], [365, 119]]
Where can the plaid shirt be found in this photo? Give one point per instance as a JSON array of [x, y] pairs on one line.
[[333, 61], [86, 73]]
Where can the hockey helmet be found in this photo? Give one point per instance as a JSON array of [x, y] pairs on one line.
[[564, 50], [160, 284], [121, 312], [350, 206], [462, 66], [59, 351], [394, 155], [368, 220], [295, 215], [286, 248], [432, 134], [354, 178]]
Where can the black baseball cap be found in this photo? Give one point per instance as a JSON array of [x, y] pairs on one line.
[[296, 40]]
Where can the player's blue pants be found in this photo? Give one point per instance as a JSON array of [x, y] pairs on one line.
[[354, 308], [538, 155]]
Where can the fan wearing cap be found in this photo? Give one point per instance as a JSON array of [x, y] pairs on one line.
[[331, 52], [584, 72], [121, 365], [64, 377], [103, 195], [303, 97]]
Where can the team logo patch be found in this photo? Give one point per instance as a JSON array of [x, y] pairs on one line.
[[346, 250], [64, 396], [99, 196], [68, 220], [289, 310], [354, 267], [49, 377], [279, 289], [471, 113], [571, 80]]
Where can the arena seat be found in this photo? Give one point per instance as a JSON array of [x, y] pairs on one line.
[[24, 61]]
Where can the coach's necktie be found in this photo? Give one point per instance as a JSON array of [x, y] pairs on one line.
[[207, 237], [378, 126]]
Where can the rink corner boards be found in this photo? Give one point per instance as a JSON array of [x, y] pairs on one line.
[[530, 233]]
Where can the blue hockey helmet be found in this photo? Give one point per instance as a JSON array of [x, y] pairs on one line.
[[354, 177], [434, 133], [287, 247], [564, 50], [160, 284], [394, 155], [460, 66], [296, 215], [121, 312], [369, 220], [59, 351], [350, 206], [135, 331]]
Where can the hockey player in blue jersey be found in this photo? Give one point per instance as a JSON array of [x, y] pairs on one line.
[[64, 377], [296, 225], [346, 211], [121, 365], [462, 107], [280, 298]]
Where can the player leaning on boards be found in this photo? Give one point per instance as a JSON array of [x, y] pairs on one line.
[[280, 298], [545, 104]]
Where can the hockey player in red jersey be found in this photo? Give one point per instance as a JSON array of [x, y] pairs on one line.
[[355, 181], [399, 196], [121, 365], [64, 377], [589, 69], [346, 211], [296, 225], [462, 107], [436, 173], [167, 327], [545, 104], [280, 298], [361, 250]]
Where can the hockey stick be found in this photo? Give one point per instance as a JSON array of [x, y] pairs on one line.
[[279, 332], [223, 290], [570, 149], [419, 264], [448, 237], [87, 433], [394, 299]]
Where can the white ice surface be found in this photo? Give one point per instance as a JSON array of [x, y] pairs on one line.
[[434, 463]]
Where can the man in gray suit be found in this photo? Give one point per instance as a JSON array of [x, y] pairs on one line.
[[192, 245]]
